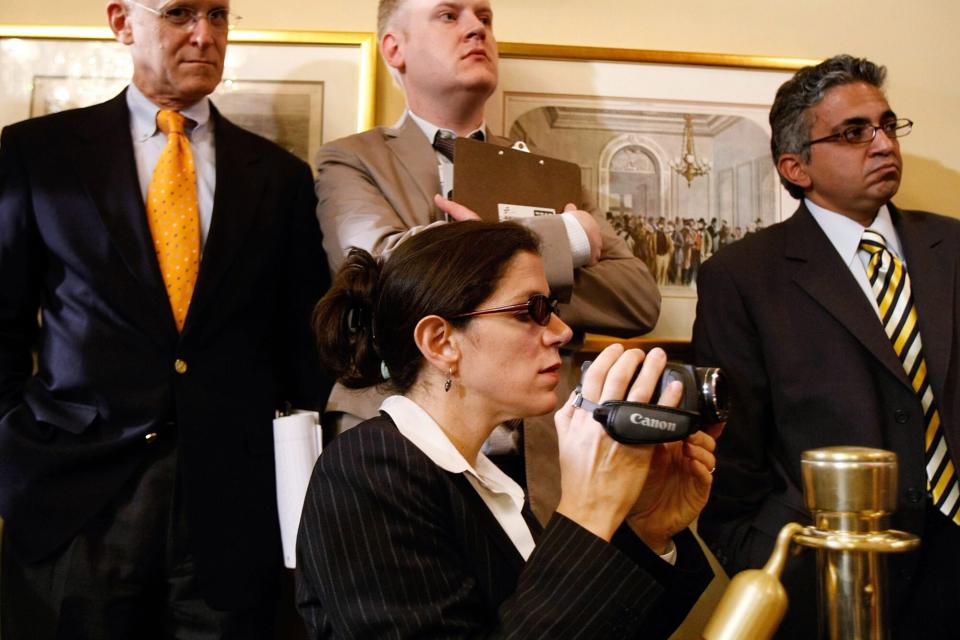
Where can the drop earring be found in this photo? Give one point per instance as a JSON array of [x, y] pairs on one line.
[[449, 381]]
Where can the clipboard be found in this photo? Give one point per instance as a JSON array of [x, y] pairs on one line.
[[491, 180]]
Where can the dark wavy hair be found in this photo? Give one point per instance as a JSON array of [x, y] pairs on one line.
[[373, 306], [790, 121]]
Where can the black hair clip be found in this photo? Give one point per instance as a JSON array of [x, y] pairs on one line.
[[356, 317]]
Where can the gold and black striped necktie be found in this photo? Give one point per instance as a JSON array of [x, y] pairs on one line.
[[891, 286]]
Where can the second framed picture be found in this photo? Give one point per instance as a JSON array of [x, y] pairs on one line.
[[674, 148]]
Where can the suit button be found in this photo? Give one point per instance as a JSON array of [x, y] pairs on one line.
[[914, 495], [901, 416], [180, 366], [150, 437]]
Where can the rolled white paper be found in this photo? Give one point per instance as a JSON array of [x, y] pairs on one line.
[[296, 444]]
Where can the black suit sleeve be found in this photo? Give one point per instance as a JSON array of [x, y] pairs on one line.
[[387, 549], [21, 255], [304, 281], [724, 335]]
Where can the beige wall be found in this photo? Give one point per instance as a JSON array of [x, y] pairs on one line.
[[916, 42]]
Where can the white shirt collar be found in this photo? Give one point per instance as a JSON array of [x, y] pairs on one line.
[[417, 426], [143, 114], [845, 233], [430, 130]]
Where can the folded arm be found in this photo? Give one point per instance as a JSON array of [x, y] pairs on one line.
[[358, 208]]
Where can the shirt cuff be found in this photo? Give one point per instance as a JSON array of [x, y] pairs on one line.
[[670, 557], [579, 243]]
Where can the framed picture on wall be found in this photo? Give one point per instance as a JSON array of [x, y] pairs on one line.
[[674, 148], [298, 89]]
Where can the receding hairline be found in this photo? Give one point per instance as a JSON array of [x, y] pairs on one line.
[[387, 12]]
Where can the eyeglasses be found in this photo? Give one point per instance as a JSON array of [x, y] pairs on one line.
[[183, 17], [539, 307], [865, 133]]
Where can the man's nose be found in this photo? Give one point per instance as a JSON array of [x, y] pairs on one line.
[[882, 143], [476, 28], [202, 33]]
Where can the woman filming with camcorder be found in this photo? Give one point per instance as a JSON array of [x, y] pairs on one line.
[[409, 530]]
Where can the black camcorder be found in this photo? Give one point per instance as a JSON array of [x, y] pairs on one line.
[[705, 401]]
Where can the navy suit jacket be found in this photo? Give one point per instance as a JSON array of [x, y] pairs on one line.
[[75, 246], [810, 366], [393, 546]]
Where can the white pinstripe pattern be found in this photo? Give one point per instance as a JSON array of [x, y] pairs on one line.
[[393, 546]]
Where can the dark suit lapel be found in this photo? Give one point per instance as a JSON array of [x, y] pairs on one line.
[[821, 273], [932, 266], [235, 203], [417, 157], [103, 157], [488, 526]]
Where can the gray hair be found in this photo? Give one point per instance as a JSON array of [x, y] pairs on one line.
[[790, 120]]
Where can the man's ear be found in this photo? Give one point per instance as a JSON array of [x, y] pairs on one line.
[[119, 22], [793, 169], [391, 48], [437, 342]]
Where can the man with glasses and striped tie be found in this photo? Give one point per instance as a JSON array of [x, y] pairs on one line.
[[174, 259], [839, 326]]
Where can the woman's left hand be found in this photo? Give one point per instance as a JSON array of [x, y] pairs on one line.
[[676, 489]]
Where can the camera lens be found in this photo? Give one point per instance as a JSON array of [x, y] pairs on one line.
[[713, 394]]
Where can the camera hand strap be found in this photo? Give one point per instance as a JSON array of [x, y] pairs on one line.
[[640, 422]]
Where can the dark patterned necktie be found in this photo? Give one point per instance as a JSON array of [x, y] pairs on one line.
[[443, 141], [891, 286]]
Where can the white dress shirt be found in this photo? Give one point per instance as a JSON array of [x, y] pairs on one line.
[[149, 141], [499, 492], [845, 233]]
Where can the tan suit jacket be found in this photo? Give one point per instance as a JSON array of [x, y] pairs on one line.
[[376, 188]]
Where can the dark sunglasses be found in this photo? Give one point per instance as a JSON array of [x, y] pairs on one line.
[[539, 307]]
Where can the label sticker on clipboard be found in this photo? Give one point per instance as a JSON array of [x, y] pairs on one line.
[[519, 211]]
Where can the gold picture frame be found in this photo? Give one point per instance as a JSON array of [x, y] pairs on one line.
[[299, 88]]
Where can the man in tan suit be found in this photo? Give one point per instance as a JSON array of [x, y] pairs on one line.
[[377, 188]]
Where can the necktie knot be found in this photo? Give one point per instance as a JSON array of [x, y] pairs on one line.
[[873, 242], [443, 141], [170, 121]]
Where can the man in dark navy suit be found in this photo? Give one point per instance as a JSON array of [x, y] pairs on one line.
[[799, 315], [136, 456]]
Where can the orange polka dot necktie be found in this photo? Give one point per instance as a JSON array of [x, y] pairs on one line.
[[891, 286], [173, 216]]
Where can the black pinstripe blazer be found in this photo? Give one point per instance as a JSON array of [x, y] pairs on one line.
[[392, 546]]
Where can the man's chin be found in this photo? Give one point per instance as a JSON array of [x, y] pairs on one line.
[[480, 77], [886, 189], [198, 87]]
